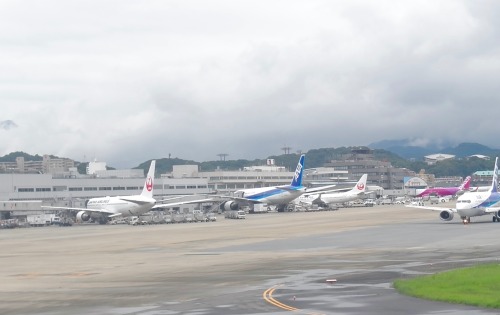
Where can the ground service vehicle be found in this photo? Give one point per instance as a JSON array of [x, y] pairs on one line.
[[235, 214]]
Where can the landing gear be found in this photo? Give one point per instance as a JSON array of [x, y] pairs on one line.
[[465, 220], [281, 208], [495, 219], [103, 220]]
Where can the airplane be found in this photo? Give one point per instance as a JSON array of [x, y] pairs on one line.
[[103, 209], [326, 198], [444, 191], [277, 195], [472, 204]]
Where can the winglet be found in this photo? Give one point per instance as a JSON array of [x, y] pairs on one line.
[[147, 191], [494, 182], [466, 184], [297, 177], [361, 184]]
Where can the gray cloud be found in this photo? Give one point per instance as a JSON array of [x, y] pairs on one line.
[[194, 79], [7, 124]]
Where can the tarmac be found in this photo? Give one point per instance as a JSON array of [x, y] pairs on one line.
[[335, 262]]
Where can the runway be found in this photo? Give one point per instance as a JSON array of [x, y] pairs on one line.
[[239, 266]]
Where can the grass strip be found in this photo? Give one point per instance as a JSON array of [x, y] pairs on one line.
[[478, 285]]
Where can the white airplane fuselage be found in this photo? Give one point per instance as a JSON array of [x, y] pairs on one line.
[[329, 198], [339, 198], [269, 195], [124, 205], [472, 204]]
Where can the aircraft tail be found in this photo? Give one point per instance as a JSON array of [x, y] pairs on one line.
[[147, 191], [466, 184], [360, 186], [297, 177], [494, 182]]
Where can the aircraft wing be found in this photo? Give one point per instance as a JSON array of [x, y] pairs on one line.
[[241, 199], [327, 191], [491, 209], [103, 211], [137, 202], [173, 204], [173, 198], [432, 208], [321, 189]]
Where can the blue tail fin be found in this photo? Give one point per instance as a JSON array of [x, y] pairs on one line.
[[494, 182], [297, 177]]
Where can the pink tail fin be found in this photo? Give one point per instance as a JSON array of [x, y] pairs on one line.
[[466, 184]]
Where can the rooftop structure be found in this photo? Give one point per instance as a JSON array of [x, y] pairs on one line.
[[479, 156], [434, 158], [47, 165]]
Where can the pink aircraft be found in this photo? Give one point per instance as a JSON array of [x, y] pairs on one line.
[[444, 191]]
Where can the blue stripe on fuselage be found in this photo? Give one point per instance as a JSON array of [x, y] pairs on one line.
[[493, 199], [271, 192]]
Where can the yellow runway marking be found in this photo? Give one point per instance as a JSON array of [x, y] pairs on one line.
[[268, 296]]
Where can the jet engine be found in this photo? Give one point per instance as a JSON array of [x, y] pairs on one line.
[[318, 201], [82, 216], [229, 205], [446, 215]]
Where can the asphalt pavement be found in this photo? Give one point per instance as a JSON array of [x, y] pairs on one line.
[[270, 263]]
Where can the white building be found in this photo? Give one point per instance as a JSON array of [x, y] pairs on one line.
[[52, 190], [433, 158], [479, 156], [46, 165]]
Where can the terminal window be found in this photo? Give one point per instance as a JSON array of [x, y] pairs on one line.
[[26, 190]]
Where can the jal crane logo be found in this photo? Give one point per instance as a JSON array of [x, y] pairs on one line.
[[149, 184], [361, 186]]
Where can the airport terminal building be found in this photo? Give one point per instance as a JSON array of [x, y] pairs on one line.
[[65, 187]]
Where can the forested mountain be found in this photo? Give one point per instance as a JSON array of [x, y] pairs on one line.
[[11, 157], [314, 158], [411, 149]]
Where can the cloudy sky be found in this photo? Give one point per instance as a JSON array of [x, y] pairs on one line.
[[127, 81]]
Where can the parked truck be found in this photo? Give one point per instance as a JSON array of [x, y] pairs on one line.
[[235, 214], [211, 217], [198, 216], [62, 221], [259, 208], [40, 219], [179, 218]]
